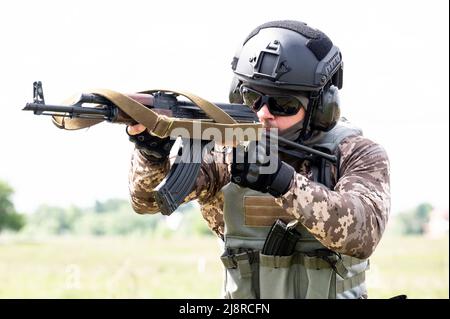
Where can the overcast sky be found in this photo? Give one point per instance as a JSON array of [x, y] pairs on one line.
[[395, 82]]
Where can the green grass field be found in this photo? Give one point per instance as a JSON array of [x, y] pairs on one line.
[[186, 268]]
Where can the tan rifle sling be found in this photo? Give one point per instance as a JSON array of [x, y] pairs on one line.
[[161, 125]]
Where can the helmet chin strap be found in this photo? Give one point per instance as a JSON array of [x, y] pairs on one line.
[[314, 100]]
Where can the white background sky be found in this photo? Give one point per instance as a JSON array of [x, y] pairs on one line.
[[395, 82]]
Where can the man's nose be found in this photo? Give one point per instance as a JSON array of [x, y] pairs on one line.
[[264, 113]]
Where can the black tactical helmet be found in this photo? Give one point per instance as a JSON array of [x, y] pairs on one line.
[[289, 55]]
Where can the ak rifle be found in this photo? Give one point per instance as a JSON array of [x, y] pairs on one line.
[[181, 178]]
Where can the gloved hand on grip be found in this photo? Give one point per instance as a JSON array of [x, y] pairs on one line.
[[259, 168], [153, 148]]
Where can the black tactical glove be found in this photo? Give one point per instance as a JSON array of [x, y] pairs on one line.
[[153, 148], [261, 171]]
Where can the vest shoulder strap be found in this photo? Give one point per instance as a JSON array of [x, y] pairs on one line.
[[329, 142]]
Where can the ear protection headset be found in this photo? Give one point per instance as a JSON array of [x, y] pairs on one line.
[[327, 112]]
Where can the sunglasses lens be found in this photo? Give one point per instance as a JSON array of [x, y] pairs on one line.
[[284, 105], [278, 105], [250, 98]]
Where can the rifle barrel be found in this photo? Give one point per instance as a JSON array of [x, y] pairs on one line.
[[38, 108]]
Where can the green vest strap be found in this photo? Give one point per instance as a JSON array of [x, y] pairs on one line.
[[349, 283]]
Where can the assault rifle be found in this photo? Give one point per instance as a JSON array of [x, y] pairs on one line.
[[165, 107]]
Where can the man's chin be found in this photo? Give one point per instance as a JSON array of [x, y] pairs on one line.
[[268, 126], [271, 130]]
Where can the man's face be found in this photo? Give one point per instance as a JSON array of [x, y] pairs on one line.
[[281, 122], [281, 102]]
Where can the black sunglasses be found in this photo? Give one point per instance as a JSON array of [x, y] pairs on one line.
[[280, 105]]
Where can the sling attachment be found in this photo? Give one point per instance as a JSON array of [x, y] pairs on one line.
[[334, 260]]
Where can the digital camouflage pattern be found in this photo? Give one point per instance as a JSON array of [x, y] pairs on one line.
[[349, 219], [145, 175]]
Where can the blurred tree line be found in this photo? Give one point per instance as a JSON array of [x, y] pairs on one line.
[[413, 221], [109, 217], [9, 217], [116, 217]]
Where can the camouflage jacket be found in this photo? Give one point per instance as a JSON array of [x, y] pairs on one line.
[[350, 218]]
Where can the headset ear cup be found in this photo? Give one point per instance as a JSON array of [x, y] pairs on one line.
[[327, 113]]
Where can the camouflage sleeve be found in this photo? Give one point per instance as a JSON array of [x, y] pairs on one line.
[[214, 174], [351, 218], [212, 212], [143, 176]]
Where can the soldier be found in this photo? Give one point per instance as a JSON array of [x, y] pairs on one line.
[[329, 217]]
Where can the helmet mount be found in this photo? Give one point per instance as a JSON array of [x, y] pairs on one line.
[[267, 64]]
